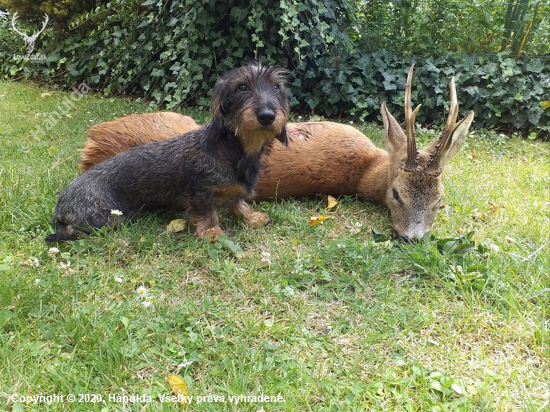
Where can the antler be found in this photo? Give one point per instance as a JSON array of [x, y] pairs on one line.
[[43, 27], [410, 115], [14, 18], [434, 164]]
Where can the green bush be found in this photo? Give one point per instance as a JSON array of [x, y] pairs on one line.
[[60, 12], [505, 92], [429, 27], [173, 52]]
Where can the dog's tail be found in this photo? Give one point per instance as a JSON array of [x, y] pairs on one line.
[[62, 234], [107, 139]]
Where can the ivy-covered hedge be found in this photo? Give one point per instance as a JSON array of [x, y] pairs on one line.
[[506, 93], [173, 52]]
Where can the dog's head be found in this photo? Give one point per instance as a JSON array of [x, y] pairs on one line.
[[252, 101]]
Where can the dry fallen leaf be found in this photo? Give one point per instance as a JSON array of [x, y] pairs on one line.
[[315, 220], [177, 225], [44, 95], [332, 202], [179, 388]]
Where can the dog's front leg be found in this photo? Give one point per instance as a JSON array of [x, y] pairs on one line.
[[251, 218], [206, 222]]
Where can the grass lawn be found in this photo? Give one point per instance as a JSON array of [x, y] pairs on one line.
[[330, 319]]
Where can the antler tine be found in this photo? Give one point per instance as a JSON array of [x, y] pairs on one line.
[[37, 32], [410, 116], [450, 124], [13, 20], [45, 24]]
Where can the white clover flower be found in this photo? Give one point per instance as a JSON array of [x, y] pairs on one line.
[[494, 248], [119, 279], [340, 245], [266, 257], [37, 281], [65, 265], [356, 228], [116, 212], [34, 262], [142, 291], [53, 251]]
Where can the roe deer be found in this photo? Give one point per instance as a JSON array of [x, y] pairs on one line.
[[326, 157]]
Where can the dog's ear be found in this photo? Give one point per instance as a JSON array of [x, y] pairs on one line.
[[216, 105], [282, 137]]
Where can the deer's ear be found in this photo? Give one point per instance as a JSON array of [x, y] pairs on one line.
[[454, 143], [394, 138], [457, 138]]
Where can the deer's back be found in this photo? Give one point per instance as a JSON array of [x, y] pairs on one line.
[[321, 157]]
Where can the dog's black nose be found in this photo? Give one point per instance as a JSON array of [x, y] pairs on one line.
[[266, 117]]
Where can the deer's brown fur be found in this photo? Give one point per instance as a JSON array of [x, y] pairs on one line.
[[110, 138], [325, 157]]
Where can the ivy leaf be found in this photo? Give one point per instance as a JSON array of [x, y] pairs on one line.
[[534, 115]]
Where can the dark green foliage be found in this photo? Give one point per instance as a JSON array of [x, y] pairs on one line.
[[521, 16], [60, 12], [173, 52], [504, 92], [429, 27]]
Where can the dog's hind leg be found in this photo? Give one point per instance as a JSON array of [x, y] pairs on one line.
[[251, 218], [62, 233]]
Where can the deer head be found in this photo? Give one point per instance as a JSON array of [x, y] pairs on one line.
[[415, 186], [30, 40]]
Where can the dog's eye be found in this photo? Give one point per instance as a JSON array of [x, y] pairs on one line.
[[276, 87], [243, 87]]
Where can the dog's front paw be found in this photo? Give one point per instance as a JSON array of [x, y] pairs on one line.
[[211, 233], [257, 219]]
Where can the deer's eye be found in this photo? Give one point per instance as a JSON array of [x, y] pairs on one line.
[[395, 195], [243, 88]]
